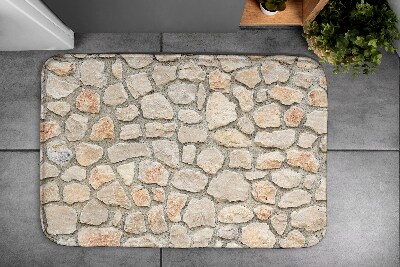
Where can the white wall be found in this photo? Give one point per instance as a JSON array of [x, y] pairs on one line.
[[30, 25], [395, 5]]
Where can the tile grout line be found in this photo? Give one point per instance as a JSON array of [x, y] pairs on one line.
[[160, 257], [161, 42]]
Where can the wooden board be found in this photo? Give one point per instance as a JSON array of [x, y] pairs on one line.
[[311, 8], [253, 16]]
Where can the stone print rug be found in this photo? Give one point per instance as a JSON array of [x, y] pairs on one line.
[[183, 151]]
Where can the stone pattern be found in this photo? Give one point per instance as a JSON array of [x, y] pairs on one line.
[[183, 151]]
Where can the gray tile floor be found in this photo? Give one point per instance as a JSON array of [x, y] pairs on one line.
[[363, 161]]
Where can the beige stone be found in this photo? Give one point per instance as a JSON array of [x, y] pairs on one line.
[[192, 134], [75, 192], [264, 192], [130, 131], [156, 220], [310, 181], [189, 116], [75, 127], [157, 129], [87, 154], [311, 218], [146, 241], [182, 93], [115, 95], [295, 198], [49, 192], [156, 106], [231, 137], [293, 116], [258, 235], [317, 120], [179, 237], [60, 108], [303, 80], [175, 204], [261, 95], [166, 58], [284, 59], [60, 68], [229, 186], [274, 72], [61, 220], [268, 116], [320, 193], [134, 223], [286, 95], [167, 152], [49, 130], [103, 129], [244, 96], [230, 63], [318, 98], [228, 231], [254, 175], [128, 113], [163, 74], [282, 139], [138, 61], [233, 245], [219, 81], [303, 159], [117, 69], [141, 196], [48, 170], [210, 160], [88, 101], [152, 172], [286, 178], [306, 63], [294, 239], [249, 77], [240, 159], [138, 84], [235, 214], [219, 111], [93, 213], [306, 140], [99, 237], [158, 194], [200, 212], [188, 154], [323, 145], [201, 97], [270, 160], [263, 212], [122, 151], [100, 175], [279, 223], [202, 237], [192, 72], [189, 180], [92, 73], [323, 83], [127, 172], [58, 152], [245, 125], [114, 195], [57, 87], [207, 60]]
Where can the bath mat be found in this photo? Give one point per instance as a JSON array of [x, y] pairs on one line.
[[141, 150]]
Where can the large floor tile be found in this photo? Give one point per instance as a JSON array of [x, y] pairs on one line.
[[363, 221], [22, 241]]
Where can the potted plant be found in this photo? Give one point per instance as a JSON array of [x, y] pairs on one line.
[[271, 7], [351, 34]]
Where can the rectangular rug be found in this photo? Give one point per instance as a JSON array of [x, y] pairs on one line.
[[169, 150]]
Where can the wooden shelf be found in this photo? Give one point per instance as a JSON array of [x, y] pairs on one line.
[[253, 16]]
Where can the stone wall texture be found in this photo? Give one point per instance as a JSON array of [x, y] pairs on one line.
[[183, 151]]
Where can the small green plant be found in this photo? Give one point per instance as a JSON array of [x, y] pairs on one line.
[[273, 5], [350, 34]]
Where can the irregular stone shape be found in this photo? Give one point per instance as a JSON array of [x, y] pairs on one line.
[[258, 235], [244, 96], [60, 68], [156, 106], [286, 178], [323, 83], [61, 220], [146, 241], [306, 140], [286, 95], [182, 93], [163, 74], [201, 97], [306, 64], [317, 120], [219, 111], [157, 129], [323, 145], [122, 151], [245, 125], [230, 63], [138, 85], [231, 138], [219, 81], [240, 159], [179, 237], [128, 113], [228, 231], [103, 129], [264, 192], [295, 198], [115, 95], [114, 195], [138, 61], [57, 87], [318, 98], [167, 152], [188, 154], [312, 241], [49, 130], [93, 213], [202, 237], [192, 134], [235, 214], [249, 77], [130, 131], [127, 172], [303, 159], [87, 154], [49, 192], [59, 153], [141, 196], [207, 60], [99, 237], [282, 139], [88, 101], [152, 172], [60, 108], [311, 218], [166, 58], [233, 245], [261, 95], [192, 72], [189, 116], [320, 193], [75, 127], [175, 204], [156, 220], [279, 223], [100, 175], [92, 73], [200, 212], [274, 72], [263, 212], [210, 160], [310, 181], [229, 186], [294, 239], [158, 194], [189, 180], [267, 116], [116, 218], [254, 175], [116, 69], [75, 192], [293, 116], [303, 80], [134, 223], [48, 170]]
